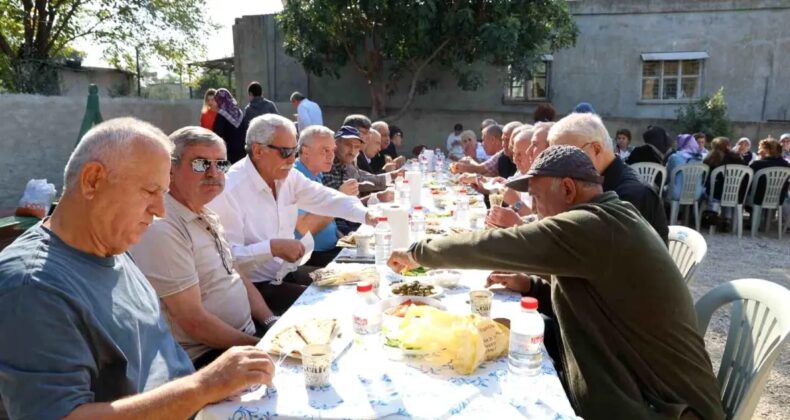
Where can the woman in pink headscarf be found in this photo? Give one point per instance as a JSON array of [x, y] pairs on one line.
[[688, 152], [228, 124]]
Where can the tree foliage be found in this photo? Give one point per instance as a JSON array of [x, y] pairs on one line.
[[388, 41], [34, 34], [707, 115]]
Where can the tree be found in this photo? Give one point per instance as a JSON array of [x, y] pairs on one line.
[[388, 41], [707, 115], [36, 33]]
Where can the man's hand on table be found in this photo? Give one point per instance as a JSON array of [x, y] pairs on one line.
[[503, 217], [401, 260], [236, 369], [516, 282], [350, 187], [385, 196], [289, 250]]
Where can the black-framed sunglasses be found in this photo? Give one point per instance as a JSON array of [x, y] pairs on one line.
[[285, 152], [201, 165]]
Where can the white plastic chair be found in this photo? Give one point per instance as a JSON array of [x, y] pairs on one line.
[[648, 171], [733, 177], [687, 248], [775, 178], [693, 176], [759, 329]]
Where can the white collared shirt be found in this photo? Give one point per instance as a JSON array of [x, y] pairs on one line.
[[252, 217]]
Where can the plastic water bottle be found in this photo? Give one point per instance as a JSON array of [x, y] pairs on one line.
[[404, 195], [423, 158], [462, 209], [383, 234], [417, 224], [439, 160], [526, 337], [367, 318]]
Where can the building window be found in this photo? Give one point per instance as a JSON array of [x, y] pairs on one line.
[[534, 88], [672, 76]]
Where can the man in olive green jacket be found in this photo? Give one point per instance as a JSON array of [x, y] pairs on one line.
[[632, 350]]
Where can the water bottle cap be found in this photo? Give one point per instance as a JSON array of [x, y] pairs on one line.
[[364, 287], [382, 219], [529, 303], [405, 181], [417, 207]]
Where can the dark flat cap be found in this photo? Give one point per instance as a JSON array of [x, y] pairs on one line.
[[348, 132], [559, 162]]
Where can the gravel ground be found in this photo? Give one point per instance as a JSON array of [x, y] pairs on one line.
[[764, 258]]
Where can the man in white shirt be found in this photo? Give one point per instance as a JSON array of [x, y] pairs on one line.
[[455, 148], [259, 209], [307, 112]]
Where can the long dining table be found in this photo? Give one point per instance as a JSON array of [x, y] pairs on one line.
[[386, 383]]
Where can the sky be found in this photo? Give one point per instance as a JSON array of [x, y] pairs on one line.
[[220, 44]]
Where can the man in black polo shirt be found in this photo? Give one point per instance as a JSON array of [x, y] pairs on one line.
[[587, 132]]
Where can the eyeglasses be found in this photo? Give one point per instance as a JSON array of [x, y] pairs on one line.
[[201, 165], [587, 144], [223, 248], [285, 152]]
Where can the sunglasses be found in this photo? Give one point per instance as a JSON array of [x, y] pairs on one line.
[[285, 152], [201, 165]]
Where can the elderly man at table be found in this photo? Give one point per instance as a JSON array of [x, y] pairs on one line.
[[586, 131], [370, 148], [626, 315], [187, 260], [387, 159], [494, 147], [83, 334], [260, 206], [520, 203], [316, 153], [349, 142]]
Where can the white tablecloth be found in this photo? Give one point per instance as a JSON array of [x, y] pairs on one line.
[[373, 386], [376, 385]]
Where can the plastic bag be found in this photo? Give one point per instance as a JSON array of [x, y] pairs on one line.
[[464, 341], [37, 198]]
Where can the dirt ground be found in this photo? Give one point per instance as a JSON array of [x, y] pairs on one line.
[[764, 258]]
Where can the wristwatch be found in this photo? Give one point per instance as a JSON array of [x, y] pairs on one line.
[[270, 320], [517, 206]]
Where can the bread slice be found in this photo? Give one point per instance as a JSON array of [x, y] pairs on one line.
[[317, 331], [289, 338]]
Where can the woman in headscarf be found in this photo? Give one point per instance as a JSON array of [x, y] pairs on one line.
[[655, 148], [744, 148], [228, 124], [688, 152]]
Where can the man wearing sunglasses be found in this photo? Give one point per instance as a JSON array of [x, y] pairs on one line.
[[259, 210], [187, 260]]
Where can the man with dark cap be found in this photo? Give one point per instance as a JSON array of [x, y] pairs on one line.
[[631, 345]]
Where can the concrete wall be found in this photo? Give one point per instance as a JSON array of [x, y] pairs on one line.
[[749, 52], [748, 42], [38, 133], [111, 83]]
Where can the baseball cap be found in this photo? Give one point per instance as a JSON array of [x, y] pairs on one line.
[[348, 132], [561, 161]]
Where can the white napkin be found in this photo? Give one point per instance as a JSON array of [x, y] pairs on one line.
[[288, 267]]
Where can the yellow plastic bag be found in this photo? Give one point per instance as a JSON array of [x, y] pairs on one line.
[[465, 341]]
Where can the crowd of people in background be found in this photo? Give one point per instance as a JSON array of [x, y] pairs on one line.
[[212, 218]]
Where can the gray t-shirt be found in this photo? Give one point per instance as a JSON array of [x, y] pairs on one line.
[[77, 328]]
